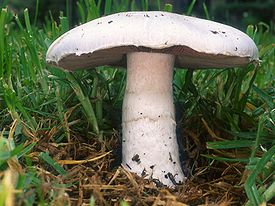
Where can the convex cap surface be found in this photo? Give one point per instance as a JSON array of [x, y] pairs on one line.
[[196, 43]]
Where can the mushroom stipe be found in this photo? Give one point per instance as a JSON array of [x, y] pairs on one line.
[[150, 45]]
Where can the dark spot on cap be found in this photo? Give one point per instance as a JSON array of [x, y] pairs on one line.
[[174, 163], [109, 22], [99, 22], [166, 176], [128, 166], [143, 173], [236, 48], [146, 15], [214, 32], [136, 158], [223, 32], [162, 14], [140, 113], [170, 137], [142, 135], [144, 153], [152, 166], [172, 178], [158, 183], [170, 157], [159, 115], [165, 145]]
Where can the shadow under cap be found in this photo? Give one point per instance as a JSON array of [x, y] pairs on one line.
[[116, 56]]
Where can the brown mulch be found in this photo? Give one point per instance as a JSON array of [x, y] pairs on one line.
[[93, 169]]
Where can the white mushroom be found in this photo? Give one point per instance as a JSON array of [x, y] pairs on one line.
[[151, 43]]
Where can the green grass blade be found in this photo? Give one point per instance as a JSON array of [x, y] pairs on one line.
[[4, 3], [259, 136], [81, 13], [188, 84], [85, 102], [224, 159], [123, 203], [190, 7], [8, 150], [4, 156], [168, 7], [93, 11], [46, 157], [36, 12], [242, 102], [27, 21], [134, 6], [61, 113], [107, 9], [250, 185], [267, 99], [230, 144], [97, 97], [269, 193], [26, 150], [206, 11], [64, 22], [98, 6], [144, 5], [3, 15], [68, 13], [158, 5], [92, 201]]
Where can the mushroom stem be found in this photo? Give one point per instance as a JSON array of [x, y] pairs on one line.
[[149, 143]]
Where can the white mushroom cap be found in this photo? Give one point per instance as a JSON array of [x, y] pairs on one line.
[[195, 42]]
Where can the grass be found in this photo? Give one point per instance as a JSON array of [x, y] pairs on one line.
[[59, 132]]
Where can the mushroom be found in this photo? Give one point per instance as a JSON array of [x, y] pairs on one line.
[[151, 44]]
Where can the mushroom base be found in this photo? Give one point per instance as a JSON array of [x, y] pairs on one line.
[[149, 143]]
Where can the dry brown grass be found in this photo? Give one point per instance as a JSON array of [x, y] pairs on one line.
[[92, 171]]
